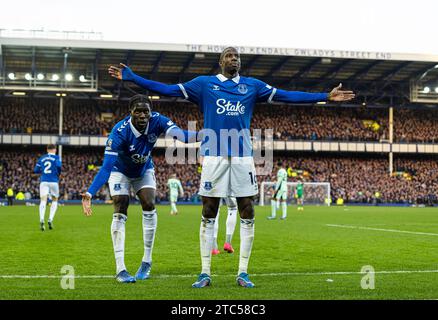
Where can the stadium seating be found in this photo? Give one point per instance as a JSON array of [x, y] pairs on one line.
[[85, 117], [355, 179]]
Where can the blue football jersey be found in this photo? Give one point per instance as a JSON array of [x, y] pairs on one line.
[[133, 149], [227, 105], [49, 166]]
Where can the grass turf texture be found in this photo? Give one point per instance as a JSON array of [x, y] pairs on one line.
[[288, 258]]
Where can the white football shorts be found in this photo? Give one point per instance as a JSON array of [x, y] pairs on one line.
[[281, 195], [173, 197], [47, 188], [120, 184], [228, 177]]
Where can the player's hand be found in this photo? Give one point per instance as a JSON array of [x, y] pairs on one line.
[[86, 204], [340, 95], [123, 72]]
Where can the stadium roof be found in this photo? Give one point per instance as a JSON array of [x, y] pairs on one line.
[[377, 77]]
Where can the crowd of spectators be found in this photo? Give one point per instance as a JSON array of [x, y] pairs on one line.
[[365, 179], [416, 125], [97, 117], [362, 179], [79, 167]]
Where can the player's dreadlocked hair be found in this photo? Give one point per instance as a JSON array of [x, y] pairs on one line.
[[139, 98]]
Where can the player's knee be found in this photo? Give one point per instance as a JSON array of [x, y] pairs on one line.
[[208, 211], [246, 209], [209, 208], [43, 198], [121, 204], [148, 205]]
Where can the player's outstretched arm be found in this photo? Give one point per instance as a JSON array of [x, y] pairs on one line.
[[86, 204], [340, 95], [123, 72], [99, 180], [337, 94], [183, 135]]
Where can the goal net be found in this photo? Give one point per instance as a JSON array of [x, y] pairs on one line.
[[316, 193]]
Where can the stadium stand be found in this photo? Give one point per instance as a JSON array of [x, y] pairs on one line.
[[355, 178], [86, 117]]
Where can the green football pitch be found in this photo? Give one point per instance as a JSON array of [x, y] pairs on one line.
[[320, 253]]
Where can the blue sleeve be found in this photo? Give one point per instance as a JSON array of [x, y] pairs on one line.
[[192, 90], [298, 96], [171, 129], [104, 173], [183, 135], [267, 93], [59, 165], [170, 90], [38, 168], [113, 144], [166, 124]]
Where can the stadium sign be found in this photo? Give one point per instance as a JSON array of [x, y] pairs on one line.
[[319, 53], [206, 48]]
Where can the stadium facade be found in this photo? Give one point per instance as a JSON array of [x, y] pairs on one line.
[[71, 74]]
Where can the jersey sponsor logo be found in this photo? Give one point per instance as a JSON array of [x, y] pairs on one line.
[[216, 88], [131, 147], [230, 108], [117, 187], [242, 88], [169, 123], [139, 159], [152, 138], [208, 186]]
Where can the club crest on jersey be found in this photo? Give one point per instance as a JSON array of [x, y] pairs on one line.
[[242, 88], [152, 138], [208, 186], [117, 187]]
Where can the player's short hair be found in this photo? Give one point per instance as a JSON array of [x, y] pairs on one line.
[[139, 98], [51, 147], [223, 52]]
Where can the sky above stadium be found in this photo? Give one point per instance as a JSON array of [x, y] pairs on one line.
[[372, 25]]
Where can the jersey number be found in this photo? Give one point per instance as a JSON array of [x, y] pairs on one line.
[[253, 178], [47, 166]]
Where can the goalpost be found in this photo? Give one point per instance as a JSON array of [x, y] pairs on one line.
[[316, 193]]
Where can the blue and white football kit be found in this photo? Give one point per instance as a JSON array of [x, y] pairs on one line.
[[128, 162], [227, 105], [228, 166], [49, 166], [127, 157]]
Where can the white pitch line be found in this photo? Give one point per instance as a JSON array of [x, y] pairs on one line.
[[378, 229], [221, 275]]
